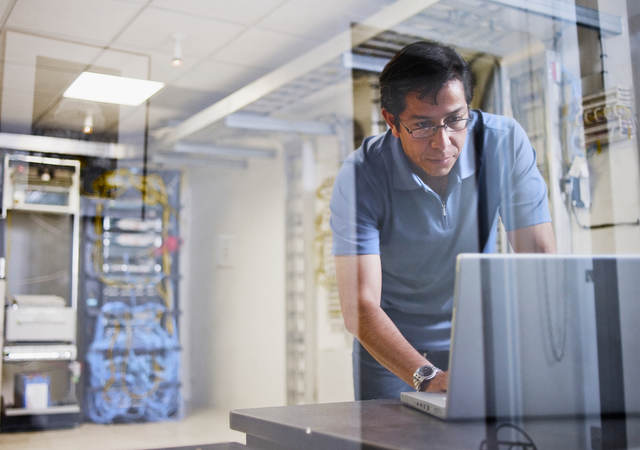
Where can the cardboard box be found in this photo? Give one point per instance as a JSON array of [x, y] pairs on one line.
[[32, 390]]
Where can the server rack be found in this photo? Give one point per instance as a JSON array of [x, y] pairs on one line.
[[129, 308]]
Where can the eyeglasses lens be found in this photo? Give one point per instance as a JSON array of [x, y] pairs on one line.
[[455, 125]]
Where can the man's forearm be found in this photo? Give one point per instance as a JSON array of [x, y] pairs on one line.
[[382, 339], [359, 283]]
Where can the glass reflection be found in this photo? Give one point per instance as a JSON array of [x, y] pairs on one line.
[[206, 280]]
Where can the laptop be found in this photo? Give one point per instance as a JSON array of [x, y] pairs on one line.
[[532, 334]]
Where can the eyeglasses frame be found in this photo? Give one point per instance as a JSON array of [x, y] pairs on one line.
[[435, 128]]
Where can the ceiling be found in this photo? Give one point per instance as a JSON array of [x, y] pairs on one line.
[[250, 56], [225, 44]]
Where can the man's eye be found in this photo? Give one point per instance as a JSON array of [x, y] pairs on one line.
[[424, 125], [454, 119]]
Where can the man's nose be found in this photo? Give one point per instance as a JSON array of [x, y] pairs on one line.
[[440, 140]]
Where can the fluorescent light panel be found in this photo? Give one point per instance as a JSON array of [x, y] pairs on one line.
[[98, 87], [183, 159], [232, 152], [258, 122]]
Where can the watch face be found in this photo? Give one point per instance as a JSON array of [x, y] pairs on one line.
[[427, 371]]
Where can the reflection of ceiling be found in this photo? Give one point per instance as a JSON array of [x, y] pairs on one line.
[[502, 28], [228, 45], [225, 46], [63, 117]]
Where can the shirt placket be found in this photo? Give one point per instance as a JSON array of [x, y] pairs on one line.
[[447, 201]]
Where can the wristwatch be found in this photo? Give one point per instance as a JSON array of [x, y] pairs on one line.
[[423, 375]]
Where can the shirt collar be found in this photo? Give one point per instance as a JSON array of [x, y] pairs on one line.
[[467, 160], [405, 179]]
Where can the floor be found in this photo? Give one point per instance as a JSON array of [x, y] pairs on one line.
[[199, 427]]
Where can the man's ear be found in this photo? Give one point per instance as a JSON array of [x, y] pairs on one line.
[[391, 121]]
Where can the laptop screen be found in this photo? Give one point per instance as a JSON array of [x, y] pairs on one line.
[[544, 335]]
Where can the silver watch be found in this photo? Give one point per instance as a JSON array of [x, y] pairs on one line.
[[423, 375]]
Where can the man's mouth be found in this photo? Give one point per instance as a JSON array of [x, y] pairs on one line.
[[444, 160]]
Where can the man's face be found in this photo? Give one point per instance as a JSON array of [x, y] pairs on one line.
[[435, 155]]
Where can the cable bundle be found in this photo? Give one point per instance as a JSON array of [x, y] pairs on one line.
[[133, 365]]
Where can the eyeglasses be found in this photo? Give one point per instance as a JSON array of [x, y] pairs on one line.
[[450, 126]]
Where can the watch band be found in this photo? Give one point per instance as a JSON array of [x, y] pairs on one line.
[[423, 375]]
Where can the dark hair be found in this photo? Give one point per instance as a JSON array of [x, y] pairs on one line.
[[422, 67]]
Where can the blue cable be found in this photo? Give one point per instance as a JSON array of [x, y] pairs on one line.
[[133, 365]]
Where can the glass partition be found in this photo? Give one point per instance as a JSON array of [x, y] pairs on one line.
[[207, 276]]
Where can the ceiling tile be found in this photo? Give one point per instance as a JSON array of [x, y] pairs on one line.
[[311, 20], [184, 100], [154, 28], [238, 11], [4, 4], [93, 22], [161, 117], [218, 76], [320, 20], [355, 10], [263, 48]]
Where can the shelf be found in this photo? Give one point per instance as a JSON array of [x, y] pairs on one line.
[[44, 352], [44, 208], [95, 312], [137, 350], [65, 146], [122, 387], [62, 409]]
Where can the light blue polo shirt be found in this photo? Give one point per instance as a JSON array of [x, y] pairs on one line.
[[380, 206]]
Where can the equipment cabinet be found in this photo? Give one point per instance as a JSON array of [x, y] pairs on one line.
[[40, 236]]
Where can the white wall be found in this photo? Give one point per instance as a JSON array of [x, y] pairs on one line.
[[333, 342], [234, 306]]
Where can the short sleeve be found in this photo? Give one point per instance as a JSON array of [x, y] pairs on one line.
[[524, 191], [354, 222]]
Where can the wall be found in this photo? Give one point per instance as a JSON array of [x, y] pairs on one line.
[[234, 304], [333, 342]]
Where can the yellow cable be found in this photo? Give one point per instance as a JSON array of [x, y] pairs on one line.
[[112, 366], [155, 193]]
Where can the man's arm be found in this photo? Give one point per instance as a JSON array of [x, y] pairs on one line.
[[359, 284], [534, 239]]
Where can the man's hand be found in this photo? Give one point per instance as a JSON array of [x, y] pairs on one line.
[[440, 383]]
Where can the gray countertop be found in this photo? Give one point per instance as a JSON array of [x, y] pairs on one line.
[[388, 424]]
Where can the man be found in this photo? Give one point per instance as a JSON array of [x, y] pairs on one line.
[[407, 202]]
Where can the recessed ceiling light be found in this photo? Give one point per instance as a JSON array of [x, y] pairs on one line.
[[98, 87]]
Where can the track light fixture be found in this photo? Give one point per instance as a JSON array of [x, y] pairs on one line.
[[177, 49]]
